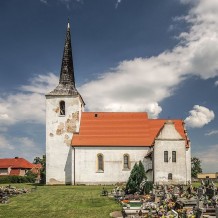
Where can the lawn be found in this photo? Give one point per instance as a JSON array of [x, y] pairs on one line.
[[60, 201]]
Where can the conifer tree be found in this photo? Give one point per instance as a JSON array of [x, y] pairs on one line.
[[136, 177]]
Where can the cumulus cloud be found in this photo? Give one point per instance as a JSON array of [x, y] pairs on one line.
[[199, 117], [29, 103], [216, 83], [142, 83], [134, 85], [212, 132]]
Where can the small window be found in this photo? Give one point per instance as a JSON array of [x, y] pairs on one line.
[[173, 156], [96, 115], [170, 176], [62, 107], [100, 163], [165, 156], [126, 161]]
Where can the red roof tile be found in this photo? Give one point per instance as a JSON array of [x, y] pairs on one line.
[[120, 129], [20, 163]]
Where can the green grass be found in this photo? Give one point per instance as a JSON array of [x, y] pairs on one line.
[[60, 201]]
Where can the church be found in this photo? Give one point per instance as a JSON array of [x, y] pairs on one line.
[[102, 147]]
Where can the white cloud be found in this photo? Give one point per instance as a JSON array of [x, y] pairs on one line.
[[134, 85], [199, 117], [41, 84], [212, 132], [139, 83], [216, 83], [29, 104]]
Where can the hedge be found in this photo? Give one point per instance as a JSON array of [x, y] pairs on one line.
[[16, 179]]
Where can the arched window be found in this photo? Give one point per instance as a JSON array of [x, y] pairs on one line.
[[170, 176], [100, 162], [126, 161], [62, 107]]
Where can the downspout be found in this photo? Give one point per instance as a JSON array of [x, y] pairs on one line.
[[74, 167], [153, 164], [186, 164]]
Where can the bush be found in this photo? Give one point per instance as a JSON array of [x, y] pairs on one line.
[[148, 187], [16, 179], [137, 176]]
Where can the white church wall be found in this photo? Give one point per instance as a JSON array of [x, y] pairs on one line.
[[178, 168], [59, 132], [86, 164], [188, 163]]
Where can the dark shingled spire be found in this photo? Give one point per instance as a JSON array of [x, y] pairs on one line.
[[66, 82], [67, 72]]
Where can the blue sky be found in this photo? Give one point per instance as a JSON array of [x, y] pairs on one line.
[[129, 55]]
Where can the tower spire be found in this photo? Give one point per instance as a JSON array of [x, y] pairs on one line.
[[66, 84], [67, 71]]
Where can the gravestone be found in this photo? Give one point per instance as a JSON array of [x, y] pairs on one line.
[[176, 190], [200, 192], [210, 193]]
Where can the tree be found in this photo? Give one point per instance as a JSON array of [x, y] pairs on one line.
[[41, 161], [136, 177], [195, 167]]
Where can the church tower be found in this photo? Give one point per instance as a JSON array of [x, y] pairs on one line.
[[64, 106]]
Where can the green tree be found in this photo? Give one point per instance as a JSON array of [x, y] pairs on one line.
[[136, 177], [195, 167], [41, 161]]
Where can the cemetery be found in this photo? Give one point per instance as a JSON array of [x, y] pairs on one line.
[[169, 201]]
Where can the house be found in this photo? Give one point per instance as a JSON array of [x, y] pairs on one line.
[[102, 147], [213, 176], [17, 167]]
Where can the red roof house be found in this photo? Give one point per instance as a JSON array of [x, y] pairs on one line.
[[17, 166]]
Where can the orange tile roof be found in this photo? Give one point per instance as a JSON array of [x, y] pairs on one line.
[[20, 163], [120, 129]]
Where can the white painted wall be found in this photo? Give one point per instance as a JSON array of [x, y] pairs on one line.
[[170, 140], [86, 164], [59, 132], [162, 169], [188, 163]]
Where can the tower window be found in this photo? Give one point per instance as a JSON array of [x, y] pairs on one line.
[[62, 107], [100, 160], [170, 176], [165, 156], [173, 156], [126, 161]]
